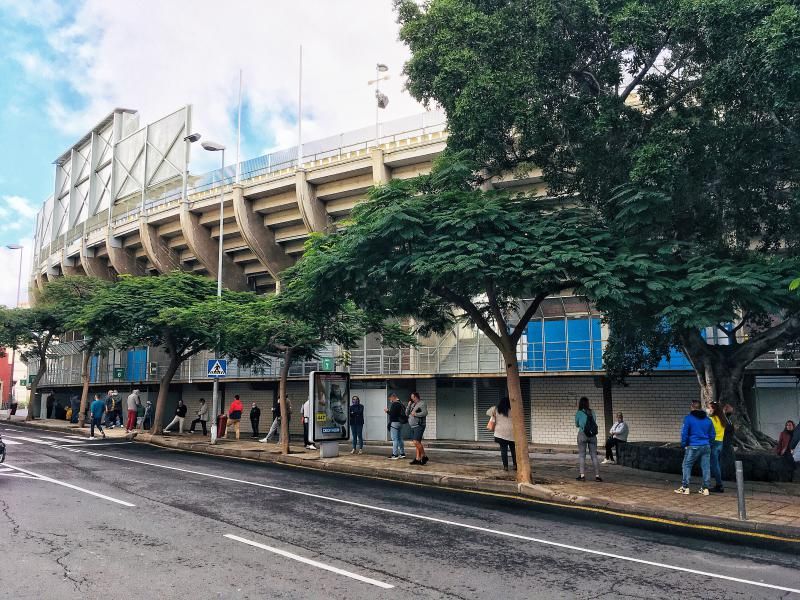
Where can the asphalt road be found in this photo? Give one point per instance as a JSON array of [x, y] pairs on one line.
[[144, 522]]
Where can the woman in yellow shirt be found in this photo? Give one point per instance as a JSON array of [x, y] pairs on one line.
[[719, 420]]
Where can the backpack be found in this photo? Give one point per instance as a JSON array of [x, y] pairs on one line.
[[590, 428]]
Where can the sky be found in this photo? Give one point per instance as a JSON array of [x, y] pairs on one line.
[[65, 64]]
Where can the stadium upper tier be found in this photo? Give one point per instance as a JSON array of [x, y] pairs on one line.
[[126, 203]]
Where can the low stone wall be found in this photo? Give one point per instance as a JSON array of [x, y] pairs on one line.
[[668, 458]]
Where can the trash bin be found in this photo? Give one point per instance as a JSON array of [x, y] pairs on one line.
[[222, 423]]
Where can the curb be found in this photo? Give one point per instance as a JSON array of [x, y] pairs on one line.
[[532, 492]]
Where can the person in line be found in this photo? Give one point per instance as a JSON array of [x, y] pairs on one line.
[[357, 425], [417, 413], [234, 416], [617, 435], [397, 418], [275, 428], [503, 430], [60, 412], [696, 437], [305, 412], [587, 439], [51, 402], [202, 417], [147, 420], [180, 416], [795, 438], [110, 409], [784, 447], [720, 422], [75, 404], [255, 417], [98, 409], [133, 404]]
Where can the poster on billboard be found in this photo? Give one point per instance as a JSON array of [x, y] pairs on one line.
[[329, 394]]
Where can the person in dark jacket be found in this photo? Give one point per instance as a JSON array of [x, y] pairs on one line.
[[357, 425], [255, 417], [785, 442], [696, 437], [397, 416], [180, 415]]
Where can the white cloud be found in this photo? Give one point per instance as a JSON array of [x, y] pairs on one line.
[[9, 270], [157, 56], [21, 206]]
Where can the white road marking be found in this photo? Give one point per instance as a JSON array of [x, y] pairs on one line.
[[69, 485], [64, 438], [9, 442], [27, 439], [461, 525], [313, 563], [77, 445]]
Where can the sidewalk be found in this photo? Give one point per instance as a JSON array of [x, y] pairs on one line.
[[772, 508]]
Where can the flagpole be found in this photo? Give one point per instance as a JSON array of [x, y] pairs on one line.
[[239, 132], [300, 110]]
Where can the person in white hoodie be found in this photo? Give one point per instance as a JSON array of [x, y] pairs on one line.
[[618, 434], [202, 417]]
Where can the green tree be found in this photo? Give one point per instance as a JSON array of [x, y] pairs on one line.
[[437, 250], [71, 294], [135, 312], [692, 107]]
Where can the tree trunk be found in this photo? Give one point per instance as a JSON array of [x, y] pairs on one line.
[[163, 390], [34, 386], [283, 401], [85, 393], [721, 378], [517, 416]]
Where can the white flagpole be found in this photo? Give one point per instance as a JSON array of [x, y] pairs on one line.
[[239, 132], [300, 110]]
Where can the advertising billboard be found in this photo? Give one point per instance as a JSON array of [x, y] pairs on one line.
[[330, 397]]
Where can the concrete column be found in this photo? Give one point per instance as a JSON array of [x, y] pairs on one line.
[[381, 174], [69, 266], [258, 236], [205, 249], [164, 258], [311, 208], [122, 259], [94, 266]]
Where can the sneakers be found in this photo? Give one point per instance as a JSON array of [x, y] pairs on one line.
[[360, 451], [606, 461], [311, 447], [424, 460], [402, 456], [598, 478], [580, 478], [91, 437], [415, 462], [263, 440], [353, 451], [703, 491], [394, 457], [104, 435], [682, 490]]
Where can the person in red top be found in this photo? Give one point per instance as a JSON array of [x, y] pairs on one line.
[[234, 416]]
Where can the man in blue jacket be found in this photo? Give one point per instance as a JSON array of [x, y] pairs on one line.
[[696, 437]]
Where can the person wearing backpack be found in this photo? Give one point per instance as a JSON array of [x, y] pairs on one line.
[[587, 438]]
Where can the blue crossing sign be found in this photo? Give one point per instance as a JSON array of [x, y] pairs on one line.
[[217, 367]]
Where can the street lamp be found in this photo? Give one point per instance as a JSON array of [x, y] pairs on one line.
[[12, 397], [215, 147], [381, 99]]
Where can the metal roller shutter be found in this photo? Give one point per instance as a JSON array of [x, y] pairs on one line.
[[489, 392]]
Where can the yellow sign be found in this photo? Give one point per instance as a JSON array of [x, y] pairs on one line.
[[322, 417]]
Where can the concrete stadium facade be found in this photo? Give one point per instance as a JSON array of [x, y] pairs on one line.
[[125, 202]]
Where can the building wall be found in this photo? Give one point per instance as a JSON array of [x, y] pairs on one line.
[[426, 388], [5, 377], [654, 407]]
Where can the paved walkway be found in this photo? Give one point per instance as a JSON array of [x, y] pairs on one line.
[[772, 508]]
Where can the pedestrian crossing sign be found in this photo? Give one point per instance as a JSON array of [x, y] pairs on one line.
[[217, 367]]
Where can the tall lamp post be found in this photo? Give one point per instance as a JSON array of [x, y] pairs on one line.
[[12, 395], [381, 99], [215, 147]]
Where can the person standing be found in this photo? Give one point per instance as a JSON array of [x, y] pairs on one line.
[[180, 416], [696, 437], [234, 416], [397, 418], [51, 401], [147, 420], [417, 413], [275, 428], [97, 409], [305, 412], [133, 403], [357, 425], [202, 417], [255, 417], [587, 439], [617, 435], [784, 447], [719, 421], [503, 430], [110, 409]]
